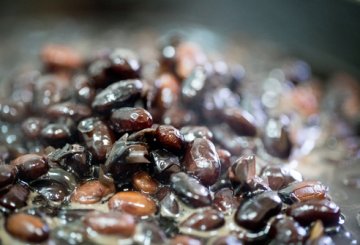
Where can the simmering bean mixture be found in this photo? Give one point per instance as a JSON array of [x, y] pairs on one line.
[[104, 150]]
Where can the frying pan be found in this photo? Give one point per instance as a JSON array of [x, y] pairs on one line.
[[325, 33]]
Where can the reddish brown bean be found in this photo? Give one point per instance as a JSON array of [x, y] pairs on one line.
[[225, 201], [243, 171], [15, 198], [91, 192], [184, 240], [205, 220], [303, 191], [7, 176], [31, 166], [27, 228], [133, 203], [112, 223], [242, 122], [309, 211], [128, 119], [170, 138], [57, 56], [202, 161], [143, 182], [68, 110]]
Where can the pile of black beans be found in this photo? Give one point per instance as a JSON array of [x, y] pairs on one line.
[[98, 151]]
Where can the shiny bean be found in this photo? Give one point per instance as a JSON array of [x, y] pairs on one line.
[[27, 228], [31, 166], [205, 220], [112, 223], [119, 94], [170, 138], [242, 122], [202, 161], [308, 211], [280, 177], [98, 137], [303, 191], [143, 182], [8, 174], [129, 119], [68, 110], [91, 192], [190, 191], [15, 198], [255, 212], [133, 203]]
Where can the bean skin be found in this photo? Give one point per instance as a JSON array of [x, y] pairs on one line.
[[133, 203], [31, 166], [112, 223], [91, 192], [8, 174], [170, 138], [308, 211], [119, 94], [255, 212], [206, 220], [27, 228], [202, 161], [15, 198], [303, 191], [143, 182], [129, 119], [190, 191]]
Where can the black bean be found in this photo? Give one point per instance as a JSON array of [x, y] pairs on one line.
[[56, 134], [68, 110], [202, 161], [255, 212], [51, 190], [279, 177], [129, 119], [125, 158], [193, 86], [190, 191], [11, 111], [241, 121], [31, 166], [303, 191], [179, 117], [170, 138], [50, 90], [32, 127], [306, 212], [243, 170], [15, 198], [285, 230], [192, 132], [225, 201], [276, 139], [205, 220], [123, 65], [84, 92], [166, 163], [27, 228], [227, 240], [8, 175], [119, 94], [97, 136]]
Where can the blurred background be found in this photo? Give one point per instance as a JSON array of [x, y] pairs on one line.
[[325, 33]]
